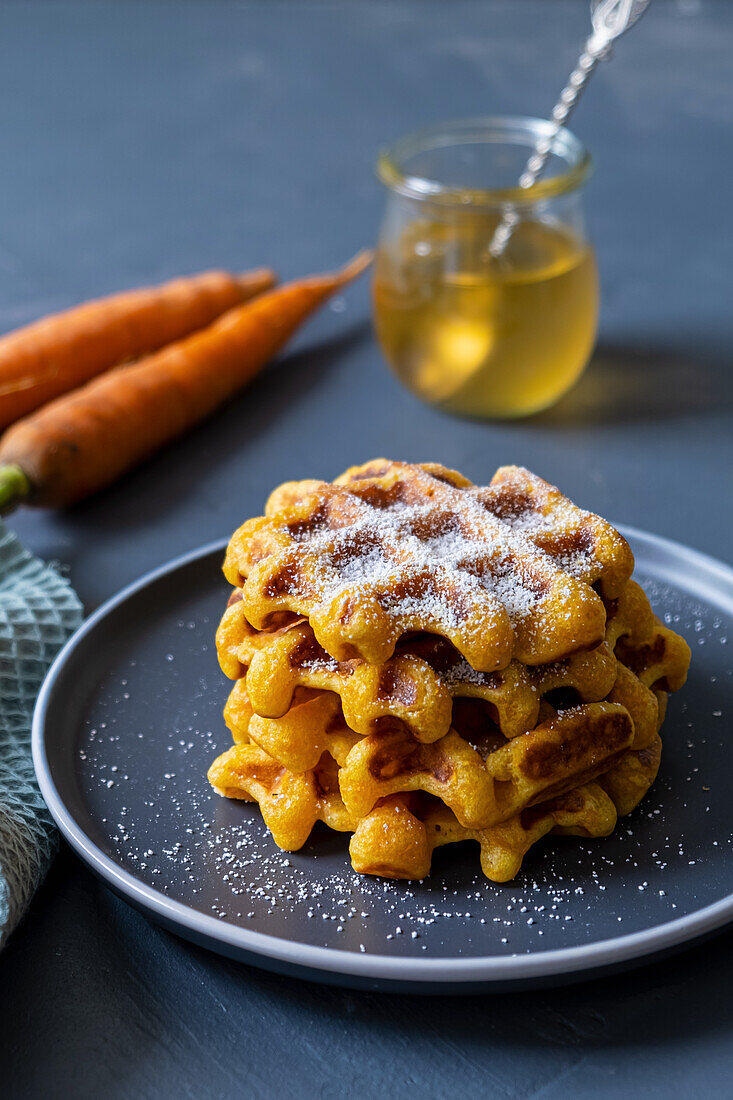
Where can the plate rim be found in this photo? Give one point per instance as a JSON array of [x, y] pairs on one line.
[[477, 971]]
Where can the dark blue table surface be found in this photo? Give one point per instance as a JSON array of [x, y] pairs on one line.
[[140, 141]]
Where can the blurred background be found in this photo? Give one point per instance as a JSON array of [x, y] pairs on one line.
[[142, 141], [146, 140]]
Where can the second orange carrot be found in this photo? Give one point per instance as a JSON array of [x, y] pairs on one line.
[[62, 351], [83, 441]]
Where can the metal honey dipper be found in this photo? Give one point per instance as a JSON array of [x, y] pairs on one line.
[[610, 19]]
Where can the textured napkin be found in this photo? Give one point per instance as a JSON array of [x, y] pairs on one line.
[[38, 612]]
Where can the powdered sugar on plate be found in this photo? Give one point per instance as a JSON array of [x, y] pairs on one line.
[[142, 770]]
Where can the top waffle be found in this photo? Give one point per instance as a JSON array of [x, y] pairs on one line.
[[509, 571]]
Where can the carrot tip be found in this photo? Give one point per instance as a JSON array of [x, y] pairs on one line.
[[263, 277], [355, 267]]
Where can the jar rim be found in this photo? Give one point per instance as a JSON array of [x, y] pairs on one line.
[[510, 129]]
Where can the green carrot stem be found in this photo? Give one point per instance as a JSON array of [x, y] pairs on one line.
[[14, 488]]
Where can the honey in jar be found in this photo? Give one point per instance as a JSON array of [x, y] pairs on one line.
[[480, 332]]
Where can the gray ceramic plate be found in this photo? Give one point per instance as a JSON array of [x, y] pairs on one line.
[[130, 718]]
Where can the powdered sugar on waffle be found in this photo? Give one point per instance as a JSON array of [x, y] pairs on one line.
[[461, 673], [423, 576], [566, 516]]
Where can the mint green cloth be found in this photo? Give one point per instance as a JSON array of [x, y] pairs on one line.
[[38, 612]]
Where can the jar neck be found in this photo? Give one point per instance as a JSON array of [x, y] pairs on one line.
[[456, 164]]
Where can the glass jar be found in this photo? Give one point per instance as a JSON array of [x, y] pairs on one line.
[[464, 324]]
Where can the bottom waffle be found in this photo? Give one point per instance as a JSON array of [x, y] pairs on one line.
[[290, 802], [396, 839]]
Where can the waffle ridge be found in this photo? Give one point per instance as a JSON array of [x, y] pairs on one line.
[[417, 687], [397, 839], [502, 572]]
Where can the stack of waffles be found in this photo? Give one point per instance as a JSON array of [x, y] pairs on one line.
[[419, 661]]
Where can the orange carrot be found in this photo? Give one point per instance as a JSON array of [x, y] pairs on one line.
[[81, 442], [62, 351]]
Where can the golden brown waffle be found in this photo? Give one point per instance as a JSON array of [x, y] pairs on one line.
[[654, 653], [631, 778], [415, 687], [482, 778], [476, 772], [397, 839], [290, 802], [502, 572], [642, 704], [313, 725], [652, 661]]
